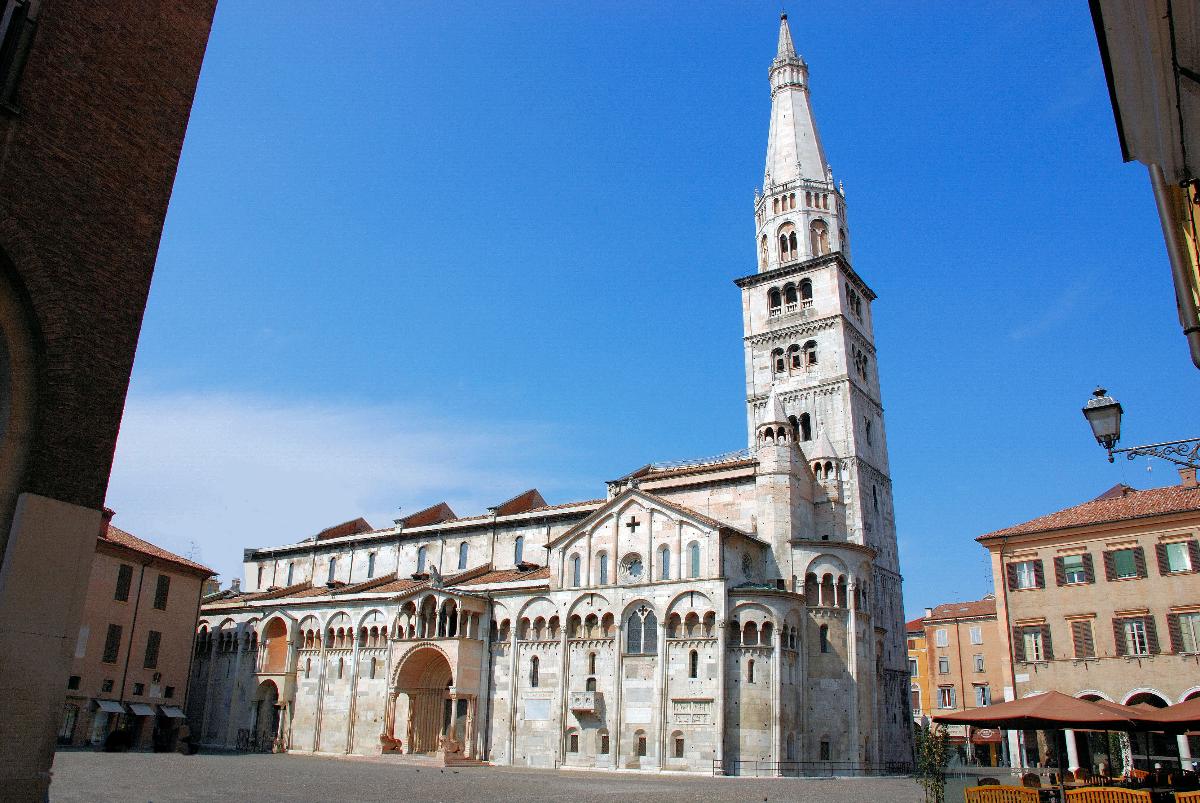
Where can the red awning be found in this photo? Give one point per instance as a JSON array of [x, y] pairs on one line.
[[1046, 711], [986, 736]]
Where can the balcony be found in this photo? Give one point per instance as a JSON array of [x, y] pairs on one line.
[[789, 308], [584, 701]]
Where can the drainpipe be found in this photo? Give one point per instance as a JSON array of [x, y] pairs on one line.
[[137, 601], [187, 689], [1178, 256]]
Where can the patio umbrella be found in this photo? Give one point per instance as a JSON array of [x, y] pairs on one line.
[[1049, 710], [1185, 715]]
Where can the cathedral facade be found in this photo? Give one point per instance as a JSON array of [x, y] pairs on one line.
[[731, 614]]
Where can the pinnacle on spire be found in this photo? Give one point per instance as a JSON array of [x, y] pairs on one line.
[[786, 50], [773, 414]]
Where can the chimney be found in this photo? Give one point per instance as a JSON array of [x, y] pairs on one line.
[[929, 613], [1187, 477], [235, 584]]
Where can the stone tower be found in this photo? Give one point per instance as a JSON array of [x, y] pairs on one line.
[[810, 359]]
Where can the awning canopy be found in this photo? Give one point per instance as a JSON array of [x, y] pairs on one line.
[[110, 706], [985, 736], [173, 712], [142, 710], [1046, 711]]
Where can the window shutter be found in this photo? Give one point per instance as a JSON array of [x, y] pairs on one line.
[[1110, 571], [1047, 644], [1018, 635], [1139, 560], [1175, 632], [1060, 574], [1081, 635], [1119, 636], [1089, 570], [1039, 577], [1194, 555], [1151, 635], [1011, 571], [1160, 552]]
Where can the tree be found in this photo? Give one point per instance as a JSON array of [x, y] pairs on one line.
[[933, 754]]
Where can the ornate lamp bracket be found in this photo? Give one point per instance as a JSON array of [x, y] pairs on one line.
[[1184, 453]]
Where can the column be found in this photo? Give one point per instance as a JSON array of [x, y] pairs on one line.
[[1185, 752], [1016, 756], [852, 734], [469, 728], [1072, 750]]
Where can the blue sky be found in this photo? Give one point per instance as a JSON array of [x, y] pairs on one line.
[[439, 251]]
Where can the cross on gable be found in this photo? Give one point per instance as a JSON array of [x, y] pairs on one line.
[[632, 524]]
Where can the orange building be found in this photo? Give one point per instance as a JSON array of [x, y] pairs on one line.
[[918, 670], [132, 657]]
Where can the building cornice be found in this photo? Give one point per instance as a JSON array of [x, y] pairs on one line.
[[807, 266]]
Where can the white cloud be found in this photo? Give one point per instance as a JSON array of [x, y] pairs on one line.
[[231, 471]]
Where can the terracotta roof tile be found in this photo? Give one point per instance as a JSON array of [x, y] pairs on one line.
[[1119, 503], [568, 504], [352, 527], [119, 537], [521, 503], [507, 576], [659, 474], [959, 610], [434, 514], [915, 626]]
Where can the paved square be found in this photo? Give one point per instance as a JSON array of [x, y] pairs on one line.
[[89, 777]]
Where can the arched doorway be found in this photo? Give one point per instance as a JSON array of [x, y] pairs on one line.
[[274, 654], [1151, 748], [266, 715], [423, 677]]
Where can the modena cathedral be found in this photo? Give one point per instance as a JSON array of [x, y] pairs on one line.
[[722, 614]]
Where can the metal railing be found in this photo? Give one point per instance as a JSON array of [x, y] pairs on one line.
[[808, 769]]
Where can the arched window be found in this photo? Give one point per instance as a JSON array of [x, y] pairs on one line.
[[464, 551], [791, 747], [810, 350], [589, 684], [603, 570], [750, 671], [291, 572], [677, 736], [774, 302], [750, 634], [789, 297], [793, 358], [824, 638], [341, 667], [332, 569], [641, 637], [792, 201], [591, 663], [775, 205], [693, 664], [778, 362], [519, 549], [694, 559], [787, 242], [421, 560], [575, 564], [875, 497], [307, 668], [818, 237], [533, 672], [664, 563], [374, 661], [806, 295], [804, 427], [762, 252], [808, 199]]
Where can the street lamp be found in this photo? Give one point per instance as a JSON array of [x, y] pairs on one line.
[[1103, 414]]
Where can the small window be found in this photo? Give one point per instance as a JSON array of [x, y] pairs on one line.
[[575, 567], [979, 663], [519, 550], [161, 591], [374, 663], [976, 635], [139, 689], [333, 570], [112, 644], [573, 743], [341, 667], [534, 663], [943, 665], [260, 577], [941, 637], [694, 559], [1189, 632], [421, 555], [106, 686], [1136, 642], [983, 696], [641, 746], [1083, 639], [464, 551], [604, 743], [153, 639], [693, 664], [307, 668], [824, 751], [678, 747], [1124, 563], [603, 578], [591, 663], [1177, 558], [664, 563], [370, 564], [291, 573], [912, 667], [124, 578], [1033, 644], [1073, 569], [169, 692], [750, 671], [946, 697], [589, 684], [73, 682], [1026, 574], [823, 634]]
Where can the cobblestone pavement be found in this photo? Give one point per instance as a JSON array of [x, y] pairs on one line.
[[88, 777]]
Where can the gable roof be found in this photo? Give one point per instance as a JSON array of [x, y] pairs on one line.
[[117, 536], [521, 503], [508, 576], [915, 626], [1119, 503], [352, 527], [965, 610], [652, 499], [434, 514]]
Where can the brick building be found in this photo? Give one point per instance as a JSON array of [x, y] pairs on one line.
[[94, 102], [1102, 601], [133, 653]]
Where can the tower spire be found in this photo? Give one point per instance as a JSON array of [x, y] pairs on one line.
[[786, 48]]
